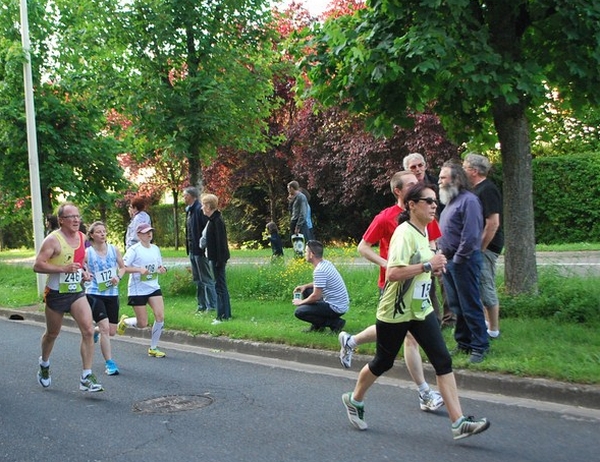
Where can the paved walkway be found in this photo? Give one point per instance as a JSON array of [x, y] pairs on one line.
[[589, 259], [581, 263]]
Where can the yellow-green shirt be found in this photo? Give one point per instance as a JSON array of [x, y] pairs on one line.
[[407, 300], [67, 282]]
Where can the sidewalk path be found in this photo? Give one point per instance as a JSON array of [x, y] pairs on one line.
[[581, 262]]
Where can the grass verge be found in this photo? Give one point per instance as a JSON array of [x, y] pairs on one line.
[[552, 335]]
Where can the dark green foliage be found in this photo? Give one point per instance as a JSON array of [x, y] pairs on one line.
[[566, 300], [18, 234], [163, 223], [566, 201], [181, 282]]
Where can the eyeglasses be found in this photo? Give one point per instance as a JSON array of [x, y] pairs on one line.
[[72, 217], [416, 166], [429, 200]]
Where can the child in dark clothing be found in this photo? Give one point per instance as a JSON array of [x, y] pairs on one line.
[[275, 239]]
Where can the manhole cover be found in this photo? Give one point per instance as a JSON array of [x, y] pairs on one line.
[[170, 404]]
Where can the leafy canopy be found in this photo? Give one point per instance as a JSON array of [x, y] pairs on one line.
[[460, 54]]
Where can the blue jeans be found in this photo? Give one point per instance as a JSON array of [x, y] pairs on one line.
[[223, 302], [461, 283], [204, 278]]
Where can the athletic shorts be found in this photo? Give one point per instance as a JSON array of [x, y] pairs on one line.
[[142, 300], [61, 303], [104, 306]]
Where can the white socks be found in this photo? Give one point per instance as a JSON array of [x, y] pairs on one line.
[[423, 388], [351, 343], [157, 328], [356, 403]]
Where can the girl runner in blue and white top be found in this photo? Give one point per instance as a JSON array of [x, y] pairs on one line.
[[105, 264]]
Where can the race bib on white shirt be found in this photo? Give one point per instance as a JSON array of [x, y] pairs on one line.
[[152, 272], [104, 277], [70, 283]]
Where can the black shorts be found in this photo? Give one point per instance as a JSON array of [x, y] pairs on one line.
[[104, 306], [61, 302], [142, 300]]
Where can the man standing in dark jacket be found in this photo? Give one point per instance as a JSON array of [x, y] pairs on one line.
[[461, 223], [202, 272], [214, 240]]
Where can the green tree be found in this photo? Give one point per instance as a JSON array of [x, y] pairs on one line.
[[77, 155], [562, 133], [198, 76], [483, 64], [328, 151]]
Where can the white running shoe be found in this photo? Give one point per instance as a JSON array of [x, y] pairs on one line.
[[430, 401], [345, 351]]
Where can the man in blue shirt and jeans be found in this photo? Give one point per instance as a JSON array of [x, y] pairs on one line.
[[461, 223]]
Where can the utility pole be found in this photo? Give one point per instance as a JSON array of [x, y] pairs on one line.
[[34, 170]]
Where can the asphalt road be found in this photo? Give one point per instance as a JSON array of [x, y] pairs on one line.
[[211, 405]]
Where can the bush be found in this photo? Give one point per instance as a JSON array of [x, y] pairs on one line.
[[566, 300], [566, 205], [566, 202], [566, 210]]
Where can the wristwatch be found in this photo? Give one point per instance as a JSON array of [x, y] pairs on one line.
[[427, 267]]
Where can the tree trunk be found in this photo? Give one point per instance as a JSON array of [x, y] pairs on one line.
[[196, 171], [175, 193], [195, 166], [520, 270]]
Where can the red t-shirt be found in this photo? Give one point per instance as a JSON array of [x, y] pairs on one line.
[[381, 229]]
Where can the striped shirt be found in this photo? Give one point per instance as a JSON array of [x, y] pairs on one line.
[[327, 278]]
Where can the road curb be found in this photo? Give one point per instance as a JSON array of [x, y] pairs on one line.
[[587, 396]]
